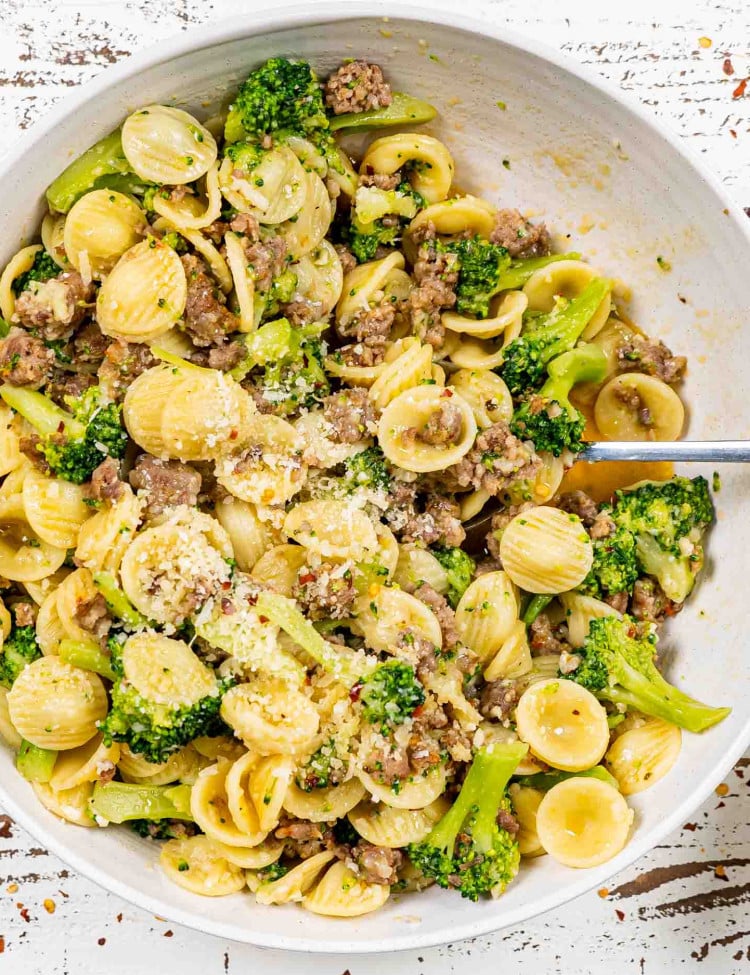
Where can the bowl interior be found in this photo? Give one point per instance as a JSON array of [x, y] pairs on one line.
[[528, 132]]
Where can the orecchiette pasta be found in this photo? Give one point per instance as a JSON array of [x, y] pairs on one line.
[[487, 613], [643, 755], [198, 864], [387, 826], [267, 471], [431, 163], [639, 407], [405, 425], [323, 805], [546, 550], [341, 893], [167, 145], [565, 279], [270, 716], [100, 227]]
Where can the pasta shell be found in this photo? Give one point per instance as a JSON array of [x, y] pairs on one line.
[[386, 826], [417, 793], [71, 805], [84, 764], [341, 893], [166, 671], [24, 557], [634, 406], [7, 731], [546, 550], [323, 805], [209, 805], [487, 613], [642, 756], [55, 509], [526, 803], [99, 228], [270, 716], [506, 318], [411, 410], [332, 530], [166, 145], [432, 179], [486, 393], [294, 884], [565, 279], [382, 617], [197, 864]]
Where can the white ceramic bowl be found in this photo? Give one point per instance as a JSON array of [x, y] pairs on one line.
[[597, 169]]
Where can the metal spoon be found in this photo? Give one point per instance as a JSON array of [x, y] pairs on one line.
[[700, 451]]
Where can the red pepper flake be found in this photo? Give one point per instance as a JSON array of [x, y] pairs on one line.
[[263, 619], [690, 827], [101, 942], [355, 692], [24, 912], [2, 944], [733, 133], [306, 578], [234, 434], [720, 805], [447, 392], [119, 918], [61, 427], [603, 892], [620, 915], [728, 67], [722, 789], [226, 585], [720, 872], [739, 91], [169, 934]]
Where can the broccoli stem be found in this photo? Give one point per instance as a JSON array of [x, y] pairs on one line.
[[117, 602], [87, 656], [341, 663], [45, 416], [565, 324], [403, 110], [520, 271], [175, 360], [584, 364], [544, 781], [106, 158], [34, 763], [654, 695], [483, 789], [119, 802], [536, 605]]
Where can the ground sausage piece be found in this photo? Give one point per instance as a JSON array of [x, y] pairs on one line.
[[361, 355], [123, 362], [443, 427], [302, 311], [618, 601], [373, 324], [650, 603], [68, 385], [357, 87], [640, 354], [380, 181], [631, 398], [507, 821], [544, 638], [389, 764], [603, 526], [377, 864], [266, 259], [55, 307], [326, 592], [105, 482], [579, 503], [418, 651], [497, 460], [498, 699], [348, 260], [226, 356], [25, 614], [439, 522], [445, 615], [351, 415], [245, 223], [207, 318], [519, 237], [25, 360], [92, 615], [166, 482], [30, 447], [436, 276], [90, 345], [304, 839]]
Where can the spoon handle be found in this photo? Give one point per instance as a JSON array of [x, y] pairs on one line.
[[715, 451]]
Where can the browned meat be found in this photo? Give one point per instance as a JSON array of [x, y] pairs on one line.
[[226, 356], [418, 651], [603, 526], [93, 616], [631, 398], [380, 181], [374, 324], [178, 829], [497, 460], [579, 503], [123, 362], [507, 821], [54, 308], [618, 601], [351, 414], [424, 750], [498, 700], [544, 638], [359, 354], [389, 764], [25, 360], [457, 743], [436, 275], [302, 311], [325, 592], [89, 345], [442, 427], [649, 602], [166, 483], [207, 318], [641, 354], [245, 223], [348, 260], [25, 614], [105, 482], [266, 259], [377, 864], [357, 87], [68, 385], [519, 237], [438, 523], [303, 839], [445, 615], [215, 231], [29, 447]]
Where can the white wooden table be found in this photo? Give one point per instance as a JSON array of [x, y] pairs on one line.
[[686, 906]]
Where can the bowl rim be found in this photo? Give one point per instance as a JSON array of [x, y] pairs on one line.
[[286, 15]]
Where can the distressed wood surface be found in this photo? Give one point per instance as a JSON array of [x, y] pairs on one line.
[[684, 907]]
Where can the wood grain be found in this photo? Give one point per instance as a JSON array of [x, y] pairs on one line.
[[684, 906]]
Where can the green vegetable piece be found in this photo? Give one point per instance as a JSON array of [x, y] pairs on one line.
[[536, 605], [117, 602], [120, 802], [518, 272], [35, 764], [87, 656], [105, 158], [43, 268], [403, 110], [544, 781], [391, 694], [19, 650], [460, 568]]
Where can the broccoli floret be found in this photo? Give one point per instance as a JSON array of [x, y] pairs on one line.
[[280, 95], [42, 269], [390, 694], [480, 267], [17, 651], [467, 850], [367, 469], [292, 363], [618, 665], [156, 730], [548, 336], [460, 568], [548, 417], [668, 519], [615, 566], [75, 443], [369, 227], [320, 770]]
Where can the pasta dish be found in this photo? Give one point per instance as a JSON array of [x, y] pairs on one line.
[[256, 397]]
